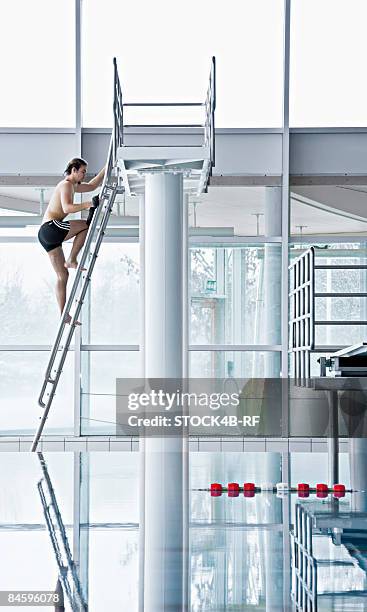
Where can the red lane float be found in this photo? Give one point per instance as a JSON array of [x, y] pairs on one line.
[[216, 489], [303, 489], [249, 489], [233, 489], [339, 490], [322, 490]]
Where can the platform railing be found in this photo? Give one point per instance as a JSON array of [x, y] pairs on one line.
[[208, 125]]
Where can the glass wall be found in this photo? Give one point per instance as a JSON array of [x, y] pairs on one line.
[[223, 364], [37, 44], [233, 301], [233, 298], [115, 296], [164, 55], [28, 309], [326, 63], [234, 322], [29, 317]]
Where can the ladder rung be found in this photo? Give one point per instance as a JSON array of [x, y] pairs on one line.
[[340, 322], [171, 125], [163, 104], [336, 295], [340, 267]]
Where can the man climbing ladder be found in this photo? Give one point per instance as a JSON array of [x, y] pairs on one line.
[[55, 230], [60, 205]]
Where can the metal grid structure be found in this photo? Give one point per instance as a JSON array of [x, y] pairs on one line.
[[302, 307], [326, 519], [304, 565], [302, 321]]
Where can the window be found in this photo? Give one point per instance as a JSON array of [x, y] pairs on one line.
[[234, 298], [164, 55], [37, 46], [328, 44]]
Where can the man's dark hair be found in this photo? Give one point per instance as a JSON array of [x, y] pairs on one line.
[[77, 163]]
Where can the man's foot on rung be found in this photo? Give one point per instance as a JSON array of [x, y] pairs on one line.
[[73, 264], [68, 320]]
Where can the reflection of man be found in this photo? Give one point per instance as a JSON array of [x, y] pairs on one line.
[[55, 230]]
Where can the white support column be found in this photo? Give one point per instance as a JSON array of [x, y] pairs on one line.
[[78, 77], [163, 275], [142, 374], [273, 539], [78, 152], [163, 527], [185, 372], [285, 192]]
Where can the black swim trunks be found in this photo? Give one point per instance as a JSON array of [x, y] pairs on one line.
[[52, 233]]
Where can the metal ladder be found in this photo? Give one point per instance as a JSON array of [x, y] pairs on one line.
[[110, 189], [68, 573]]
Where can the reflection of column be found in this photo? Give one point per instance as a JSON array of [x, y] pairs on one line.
[[272, 276], [81, 516], [273, 539], [141, 472], [217, 562], [163, 529], [85, 366], [186, 510], [358, 472]]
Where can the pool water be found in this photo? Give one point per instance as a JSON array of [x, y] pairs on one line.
[[240, 551]]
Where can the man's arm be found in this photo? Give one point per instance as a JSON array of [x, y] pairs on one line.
[[66, 194], [92, 184]]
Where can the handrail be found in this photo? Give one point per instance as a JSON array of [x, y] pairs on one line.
[[118, 111], [210, 104]]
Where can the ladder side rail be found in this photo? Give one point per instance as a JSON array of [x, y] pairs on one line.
[[61, 527], [55, 546], [93, 259], [55, 505]]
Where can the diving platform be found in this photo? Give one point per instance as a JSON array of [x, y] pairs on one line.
[[195, 160]]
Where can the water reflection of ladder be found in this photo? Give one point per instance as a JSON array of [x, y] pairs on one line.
[[68, 574], [110, 189]]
